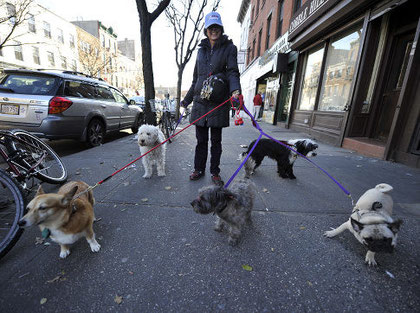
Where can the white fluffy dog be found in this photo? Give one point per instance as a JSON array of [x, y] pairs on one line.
[[150, 136]]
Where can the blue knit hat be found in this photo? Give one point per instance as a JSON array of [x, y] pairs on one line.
[[211, 19]]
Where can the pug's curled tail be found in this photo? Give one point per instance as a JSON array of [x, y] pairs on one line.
[[384, 188]]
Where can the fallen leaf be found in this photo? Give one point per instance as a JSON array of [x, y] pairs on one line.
[[247, 267], [302, 227], [39, 241], [272, 249], [43, 300], [144, 200], [118, 299], [77, 173], [130, 272], [168, 187], [55, 279], [126, 184], [309, 283], [264, 190]]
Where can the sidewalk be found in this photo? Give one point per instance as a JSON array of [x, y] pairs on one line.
[[160, 256]]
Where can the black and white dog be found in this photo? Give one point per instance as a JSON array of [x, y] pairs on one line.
[[285, 157]]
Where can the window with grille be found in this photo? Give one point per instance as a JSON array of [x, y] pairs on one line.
[[50, 57], [47, 30], [280, 19], [18, 51], [35, 55], [267, 38], [31, 23]]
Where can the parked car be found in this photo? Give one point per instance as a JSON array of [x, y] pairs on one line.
[[139, 100], [63, 104]]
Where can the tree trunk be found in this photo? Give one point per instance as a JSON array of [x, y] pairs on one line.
[[178, 90]]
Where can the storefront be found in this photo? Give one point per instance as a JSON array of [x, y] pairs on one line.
[[354, 67]]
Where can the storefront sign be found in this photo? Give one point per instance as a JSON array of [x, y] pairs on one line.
[[307, 14], [280, 46]]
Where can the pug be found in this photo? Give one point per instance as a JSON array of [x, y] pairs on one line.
[[371, 222]]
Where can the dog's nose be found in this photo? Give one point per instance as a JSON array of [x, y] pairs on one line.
[[314, 154], [22, 223]]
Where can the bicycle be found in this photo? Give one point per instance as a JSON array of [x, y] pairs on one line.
[[12, 208], [29, 157], [26, 157], [166, 121]]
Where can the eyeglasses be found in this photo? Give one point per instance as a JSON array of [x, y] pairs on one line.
[[214, 29]]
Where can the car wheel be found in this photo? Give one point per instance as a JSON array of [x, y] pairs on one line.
[[95, 133], [137, 124]]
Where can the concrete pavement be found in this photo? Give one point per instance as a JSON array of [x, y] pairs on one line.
[[159, 256]]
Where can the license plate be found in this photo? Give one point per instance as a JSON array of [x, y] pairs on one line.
[[10, 109]]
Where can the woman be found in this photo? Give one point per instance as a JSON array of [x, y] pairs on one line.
[[216, 55]]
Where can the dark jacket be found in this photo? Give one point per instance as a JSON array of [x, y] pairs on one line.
[[221, 59]]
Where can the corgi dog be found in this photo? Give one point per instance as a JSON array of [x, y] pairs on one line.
[[63, 218]]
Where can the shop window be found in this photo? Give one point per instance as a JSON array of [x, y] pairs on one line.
[[280, 19], [341, 58], [311, 79]]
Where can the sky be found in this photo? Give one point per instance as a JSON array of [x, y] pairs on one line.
[[122, 16]]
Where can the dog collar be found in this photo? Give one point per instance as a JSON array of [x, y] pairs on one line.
[[46, 233]]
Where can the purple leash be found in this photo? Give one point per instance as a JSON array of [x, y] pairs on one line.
[[257, 126]]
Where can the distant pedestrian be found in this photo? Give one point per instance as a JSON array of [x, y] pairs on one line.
[[257, 105], [217, 55]]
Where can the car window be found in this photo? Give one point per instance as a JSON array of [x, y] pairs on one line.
[[104, 94], [118, 96], [30, 84], [79, 90]]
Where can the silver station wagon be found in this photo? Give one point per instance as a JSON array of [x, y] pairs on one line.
[[63, 104]]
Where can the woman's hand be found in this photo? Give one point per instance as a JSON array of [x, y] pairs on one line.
[[235, 94]]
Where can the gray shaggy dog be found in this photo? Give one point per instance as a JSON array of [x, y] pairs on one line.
[[232, 206]]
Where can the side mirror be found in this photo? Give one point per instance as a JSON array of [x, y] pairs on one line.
[[132, 101]]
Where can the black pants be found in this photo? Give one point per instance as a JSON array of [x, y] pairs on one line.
[[201, 150]]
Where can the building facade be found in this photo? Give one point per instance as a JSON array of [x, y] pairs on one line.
[[42, 41], [270, 64], [357, 76]]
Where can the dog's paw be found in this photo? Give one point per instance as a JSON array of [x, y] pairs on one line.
[[147, 176], [370, 259], [161, 174], [64, 253], [329, 233], [218, 228], [95, 247]]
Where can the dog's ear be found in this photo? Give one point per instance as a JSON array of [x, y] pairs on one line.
[[69, 196], [357, 226], [40, 191], [395, 226]]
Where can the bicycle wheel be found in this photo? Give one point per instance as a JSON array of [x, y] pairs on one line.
[[12, 208], [50, 169], [167, 125]]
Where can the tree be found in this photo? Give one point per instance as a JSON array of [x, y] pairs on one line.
[[146, 20], [187, 19], [13, 14]]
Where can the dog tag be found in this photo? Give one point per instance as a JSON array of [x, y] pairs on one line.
[[46, 233]]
